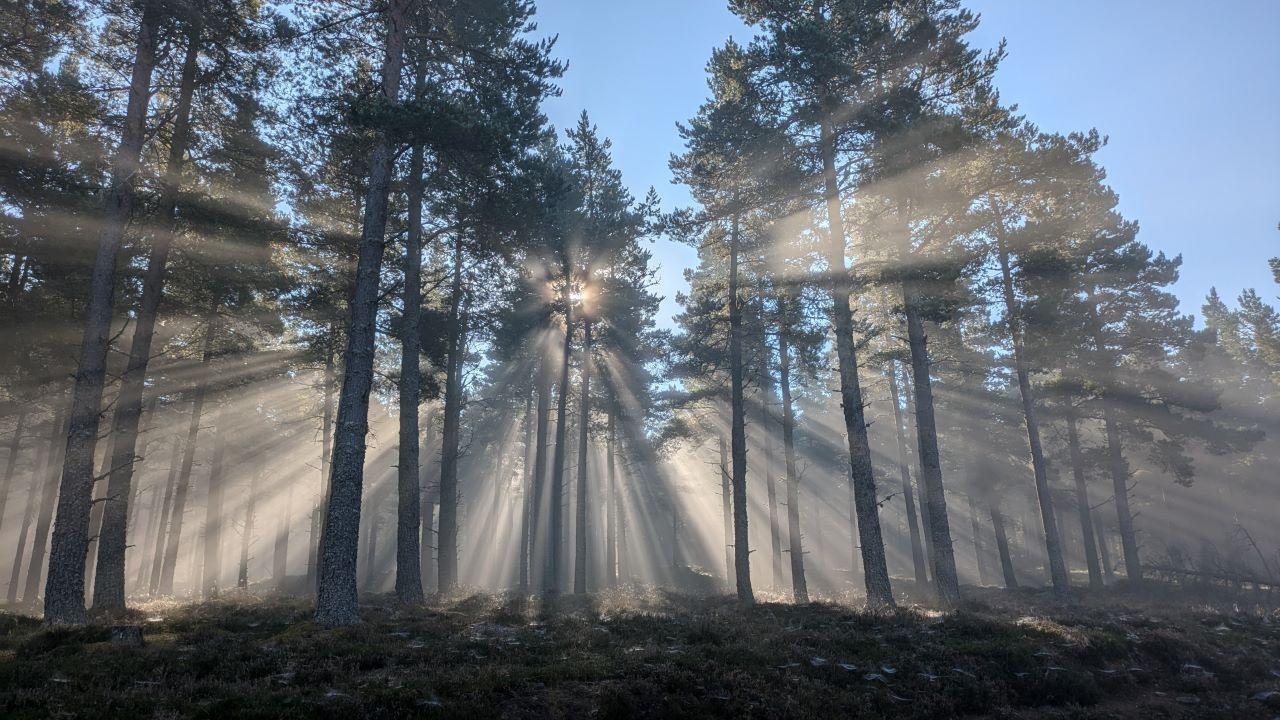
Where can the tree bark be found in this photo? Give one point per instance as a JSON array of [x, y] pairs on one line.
[[537, 536], [738, 431], [551, 582], [447, 539], [726, 501], [98, 499], [428, 527], [165, 518], [108, 588], [922, 500], [142, 551], [280, 550], [211, 583], [775, 536], [1002, 546], [336, 600], [408, 508], [675, 538], [11, 463], [862, 484], [611, 505], [1082, 503], [918, 563], [1104, 553], [48, 497], [246, 538], [428, 503], [799, 586], [371, 560], [64, 591], [38, 473], [326, 447], [529, 500], [624, 575], [1044, 496], [944, 561], [1119, 470], [976, 528], [169, 567], [580, 563]]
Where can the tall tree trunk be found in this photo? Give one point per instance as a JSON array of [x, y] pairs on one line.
[[538, 490], [48, 497], [611, 506], [1117, 467], [108, 588], [821, 536], [246, 538], [142, 551], [526, 509], [195, 566], [799, 587], [165, 520], [213, 512], [726, 501], [427, 500], [98, 499], [1104, 553], [169, 567], [775, 536], [944, 561], [551, 583], [862, 483], [280, 550], [1119, 470], [428, 527], [326, 453], [976, 528], [336, 599], [922, 500], [584, 424], [624, 574], [675, 538], [64, 590], [38, 473], [908, 494], [447, 540], [1002, 547], [11, 463], [738, 430], [1044, 496], [1082, 503], [371, 561], [408, 508]]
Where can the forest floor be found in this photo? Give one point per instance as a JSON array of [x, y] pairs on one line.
[[650, 653]]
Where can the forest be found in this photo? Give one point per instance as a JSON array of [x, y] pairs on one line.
[[334, 382]]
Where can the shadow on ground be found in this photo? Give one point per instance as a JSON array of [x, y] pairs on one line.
[[645, 653]]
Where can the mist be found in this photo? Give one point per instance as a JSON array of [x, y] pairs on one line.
[[317, 332]]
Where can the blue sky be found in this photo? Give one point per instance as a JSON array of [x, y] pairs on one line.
[[1187, 91]]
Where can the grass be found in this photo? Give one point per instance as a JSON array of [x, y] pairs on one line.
[[652, 654]]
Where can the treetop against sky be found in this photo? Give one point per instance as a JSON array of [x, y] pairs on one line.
[[1194, 131]]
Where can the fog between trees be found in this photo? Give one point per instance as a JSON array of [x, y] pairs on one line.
[[311, 298]]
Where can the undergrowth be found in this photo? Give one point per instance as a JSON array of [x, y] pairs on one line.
[[645, 653]]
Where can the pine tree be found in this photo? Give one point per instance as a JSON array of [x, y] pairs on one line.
[[64, 591], [736, 164]]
